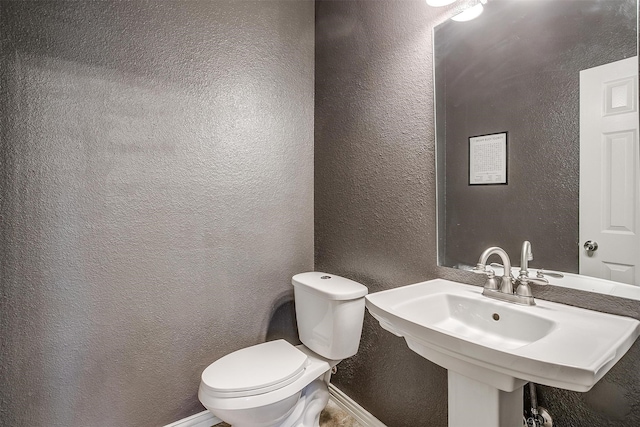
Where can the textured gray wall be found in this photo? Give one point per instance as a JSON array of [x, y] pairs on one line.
[[375, 210], [374, 187], [500, 72], [157, 196]]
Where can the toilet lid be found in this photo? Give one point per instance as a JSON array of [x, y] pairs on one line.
[[257, 369]]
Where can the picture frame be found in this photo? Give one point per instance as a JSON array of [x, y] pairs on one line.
[[488, 159]]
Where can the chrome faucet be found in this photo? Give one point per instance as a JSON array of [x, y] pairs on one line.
[[523, 293], [507, 285]]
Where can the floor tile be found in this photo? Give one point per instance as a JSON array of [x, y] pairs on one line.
[[331, 416]]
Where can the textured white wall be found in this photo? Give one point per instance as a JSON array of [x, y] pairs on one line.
[[157, 196]]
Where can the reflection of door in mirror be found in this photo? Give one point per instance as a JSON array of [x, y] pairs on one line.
[[609, 172]]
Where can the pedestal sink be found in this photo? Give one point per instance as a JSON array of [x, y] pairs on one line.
[[492, 348]]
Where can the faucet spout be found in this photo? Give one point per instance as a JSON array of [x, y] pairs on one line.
[[507, 284]]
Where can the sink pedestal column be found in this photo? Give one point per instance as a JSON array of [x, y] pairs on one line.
[[472, 403]]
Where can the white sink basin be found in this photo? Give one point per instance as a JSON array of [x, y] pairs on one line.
[[501, 344], [477, 320]]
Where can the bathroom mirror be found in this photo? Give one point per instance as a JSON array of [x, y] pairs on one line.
[[513, 74]]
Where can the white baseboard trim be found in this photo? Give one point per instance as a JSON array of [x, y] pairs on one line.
[[364, 417], [349, 405], [202, 419]]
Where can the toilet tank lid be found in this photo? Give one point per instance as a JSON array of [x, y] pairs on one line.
[[329, 286]]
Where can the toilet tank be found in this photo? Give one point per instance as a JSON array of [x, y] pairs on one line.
[[330, 312]]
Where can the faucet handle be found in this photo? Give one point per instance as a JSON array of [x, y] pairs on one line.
[[491, 282], [524, 279], [538, 280], [483, 269], [541, 273]]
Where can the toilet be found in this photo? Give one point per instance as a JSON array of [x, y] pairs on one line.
[[278, 384]]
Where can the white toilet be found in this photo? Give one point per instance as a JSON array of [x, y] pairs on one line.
[[278, 384]]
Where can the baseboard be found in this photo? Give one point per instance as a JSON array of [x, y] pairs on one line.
[[202, 419], [364, 417], [349, 405]]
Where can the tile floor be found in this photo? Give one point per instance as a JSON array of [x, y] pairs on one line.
[[332, 416]]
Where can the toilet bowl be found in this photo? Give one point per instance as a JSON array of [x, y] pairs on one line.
[[257, 401], [278, 384]]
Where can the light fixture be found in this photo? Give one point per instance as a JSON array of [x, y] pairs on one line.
[[438, 3], [471, 13]]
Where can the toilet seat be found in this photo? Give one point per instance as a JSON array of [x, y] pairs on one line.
[[317, 366], [255, 370]]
